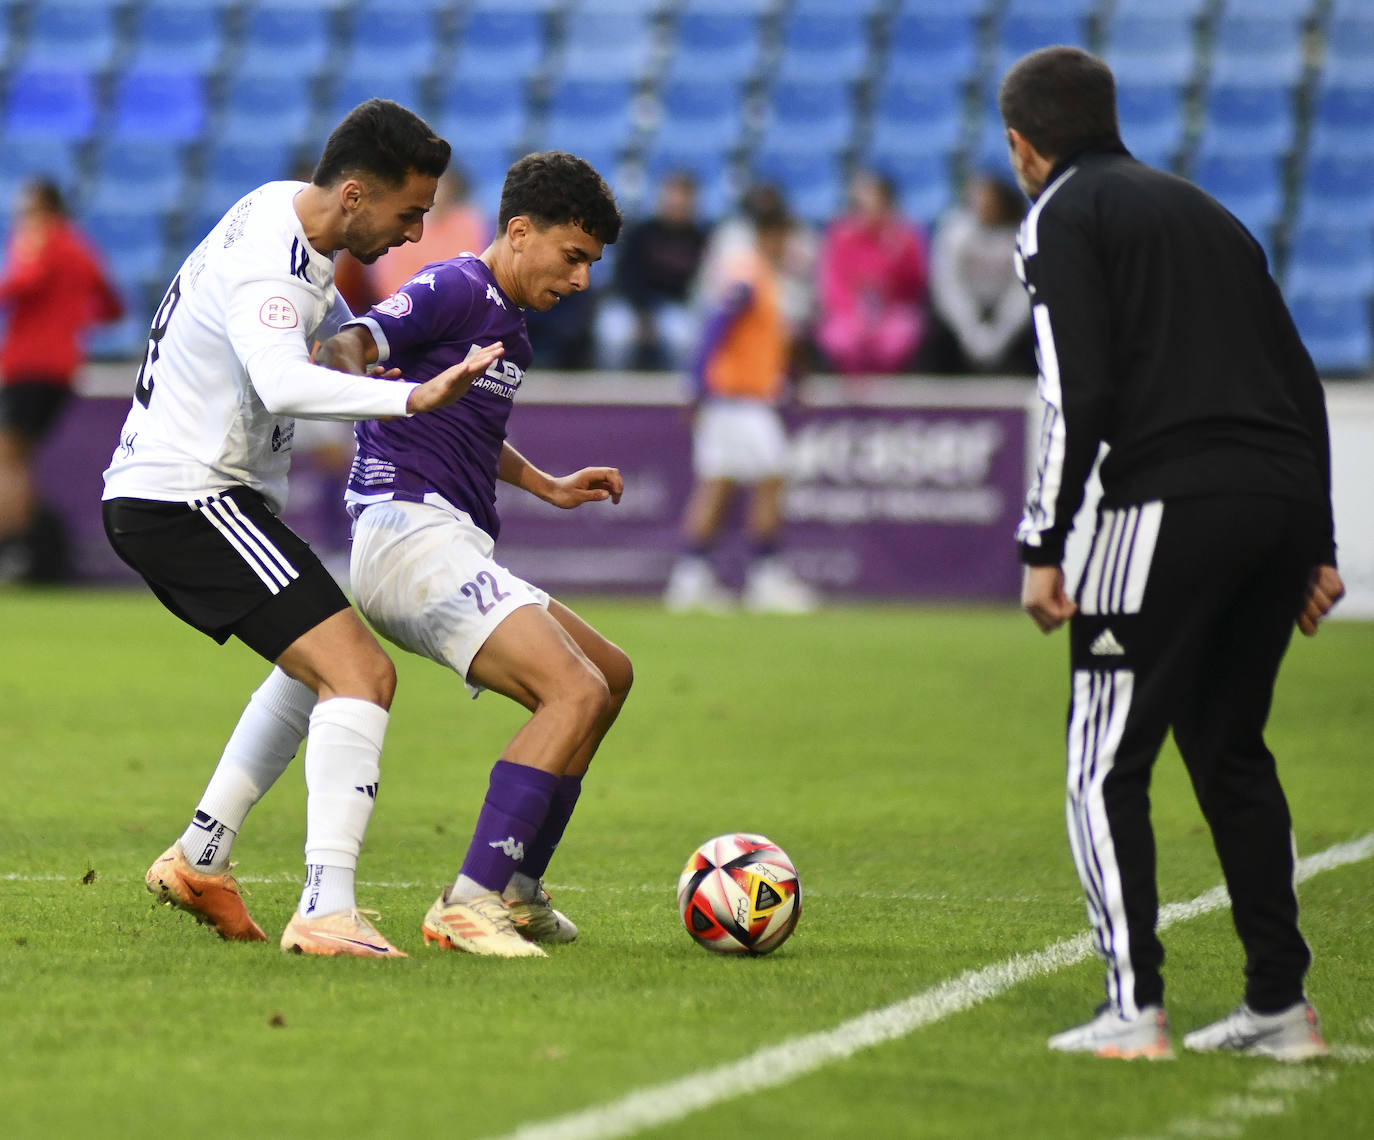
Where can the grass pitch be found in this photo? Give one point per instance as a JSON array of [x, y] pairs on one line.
[[907, 758]]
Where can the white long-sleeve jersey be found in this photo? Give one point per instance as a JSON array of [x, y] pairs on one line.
[[227, 367]]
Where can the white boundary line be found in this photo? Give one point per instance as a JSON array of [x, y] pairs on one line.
[[777, 1064]]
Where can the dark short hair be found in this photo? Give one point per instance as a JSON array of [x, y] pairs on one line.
[[385, 140], [1062, 99], [555, 188], [47, 196]]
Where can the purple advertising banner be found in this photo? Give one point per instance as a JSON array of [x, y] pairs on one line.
[[909, 492]]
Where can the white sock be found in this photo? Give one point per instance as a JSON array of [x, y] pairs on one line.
[[342, 770], [266, 738], [465, 888], [328, 890]]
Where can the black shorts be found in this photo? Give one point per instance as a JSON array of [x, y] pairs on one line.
[[227, 566], [30, 408]]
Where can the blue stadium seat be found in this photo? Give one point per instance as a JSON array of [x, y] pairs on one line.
[[1152, 121], [286, 36], [607, 44], [353, 87], [1020, 33], [915, 117], [178, 35], [589, 117], [1150, 48], [50, 104], [1188, 9], [753, 8], [1338, 186], [71, 36], [1341, 118], [812, 184], [32, 156], [278, 107], [234, 168], [923, 182], [831, 46], [1249, 118], [520, 33], [468, 109], [406, 36], [1326, 257], [1262, 50], [1348, 58], [1296, 9], [962, 9], [1077, 9], [131, 240], [809, 115], [166, 105], [722, 45], [1250, 185], [700, 115], [143, 171], [936, 46], [1335, 329]]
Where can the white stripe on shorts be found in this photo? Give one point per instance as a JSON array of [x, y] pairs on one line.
[[256, 549]]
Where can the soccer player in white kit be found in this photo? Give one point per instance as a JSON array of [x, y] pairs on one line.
[[198, 480]]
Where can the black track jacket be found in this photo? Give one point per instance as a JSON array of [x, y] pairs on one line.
[[1162, 335]]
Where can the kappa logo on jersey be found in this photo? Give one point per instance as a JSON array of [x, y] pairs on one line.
[[510, 847], [494, 294], [278, 313], [423, 279], [397, 305]]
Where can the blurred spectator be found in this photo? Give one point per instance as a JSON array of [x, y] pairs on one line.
[[980, 315], [54, 288], [455, 225], [646, 323], [796, 273], [740, 374], [872, 283]]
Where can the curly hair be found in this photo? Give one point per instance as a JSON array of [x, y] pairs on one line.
[[385, 140], [555, 188]]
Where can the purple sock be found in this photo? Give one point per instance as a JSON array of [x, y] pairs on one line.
[[516, 804], [538, 854]]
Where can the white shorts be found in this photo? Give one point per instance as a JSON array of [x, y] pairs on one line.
[[740, 440], [425, 578]]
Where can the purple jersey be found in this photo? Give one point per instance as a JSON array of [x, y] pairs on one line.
[[426, 326]]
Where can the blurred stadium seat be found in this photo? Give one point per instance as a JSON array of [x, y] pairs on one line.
[[814, 116], [402, 38], [1250, 185], [178, 35], [915, 117], [1342, 117], [138, 174], [812, 183], [352, 87], [724, 45], [1338, 186], [1248, 118], [589, 116], [607, 44], [833, 46], [1335, 329], [1152, 121], [282, 36], [166, 105], [937, 45], [49, 104], [468, 109], [275, 107], [1262, 47], [1329, 257], [71, 35], [520, 32], [1148, 47], [699, 116]]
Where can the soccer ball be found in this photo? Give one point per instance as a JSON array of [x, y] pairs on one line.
[[739, 894]]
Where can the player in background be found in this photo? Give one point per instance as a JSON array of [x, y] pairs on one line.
[[196, 485], [423, 567], [742, 367], [1161, 335]]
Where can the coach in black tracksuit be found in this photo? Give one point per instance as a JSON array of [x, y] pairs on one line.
[[1162, 336]]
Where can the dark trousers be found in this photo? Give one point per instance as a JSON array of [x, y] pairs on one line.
[[1185, 611]]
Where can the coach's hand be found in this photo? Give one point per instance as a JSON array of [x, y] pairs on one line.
[[452, 384], [590, 485], [1324, 590], [1043, 597]]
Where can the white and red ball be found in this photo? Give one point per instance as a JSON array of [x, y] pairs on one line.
[[739, 894]]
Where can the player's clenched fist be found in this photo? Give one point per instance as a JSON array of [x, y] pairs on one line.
[[452, 384]]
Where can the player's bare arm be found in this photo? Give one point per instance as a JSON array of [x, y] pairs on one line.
[[1044, 599], [1324, 590], [589, 485], [351, 350]]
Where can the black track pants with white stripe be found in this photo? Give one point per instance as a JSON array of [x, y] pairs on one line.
[[1185, 611]]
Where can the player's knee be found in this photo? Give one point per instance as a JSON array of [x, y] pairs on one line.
[[619, 673], [590, 695]]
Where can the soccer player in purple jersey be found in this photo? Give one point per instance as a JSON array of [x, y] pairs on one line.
[[423, 570]]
